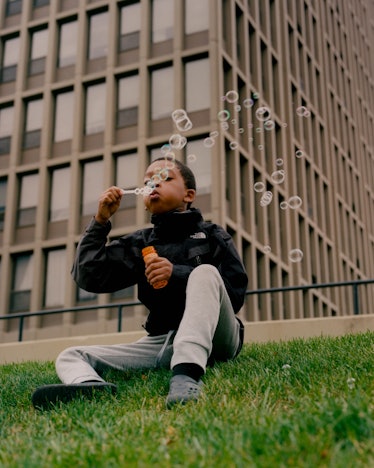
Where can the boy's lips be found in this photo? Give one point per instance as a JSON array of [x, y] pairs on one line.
[[154, 195]]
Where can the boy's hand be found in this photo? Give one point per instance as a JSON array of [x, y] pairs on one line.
[[109, 202], [158, 269]]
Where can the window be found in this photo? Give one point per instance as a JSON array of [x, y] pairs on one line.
[[201, 165], [127, 170], [40, 3], [60, 194], [129, 27], [13, 7], [55, 278], [162, 99], [196, 16], [6, 128], [162, 20], [23, 274], [197, 78], [128, 101], [10, 59], [95, 108], [3, 187], [28, 200], [67, 47], [64, 116], [33, 123], [38, 52], [92, 186], [98, 35]]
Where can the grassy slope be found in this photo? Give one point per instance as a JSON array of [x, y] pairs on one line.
[[285, 404]]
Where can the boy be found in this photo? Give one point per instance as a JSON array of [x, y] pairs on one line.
[[191, 320]]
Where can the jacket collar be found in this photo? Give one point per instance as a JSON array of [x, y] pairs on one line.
[[176, 223]]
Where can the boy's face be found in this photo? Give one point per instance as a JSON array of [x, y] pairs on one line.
[[169, 190]]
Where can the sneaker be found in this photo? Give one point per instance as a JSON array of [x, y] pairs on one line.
[[48, 395], [183, 389]]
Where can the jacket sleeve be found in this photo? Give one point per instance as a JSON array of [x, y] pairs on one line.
[[232, 270], [100, 267]]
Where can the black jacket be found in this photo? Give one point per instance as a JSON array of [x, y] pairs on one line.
[[184, 238]]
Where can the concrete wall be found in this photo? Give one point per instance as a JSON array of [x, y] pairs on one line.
[[259, 332]]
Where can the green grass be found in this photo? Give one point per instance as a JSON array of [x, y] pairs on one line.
[[277, 405]]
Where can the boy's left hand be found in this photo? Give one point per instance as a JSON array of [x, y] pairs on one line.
[[158, 269]]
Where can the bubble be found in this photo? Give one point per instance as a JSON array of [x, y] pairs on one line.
[[232, 96], [181, 120], [351, 383], [250, 125], [256, 96], [233, 145], [258, 130], [259, 187], [191, 158], [214, 134], [269, 125], [209, 142], [241, 130], [164, 173], [233, 121], [177, 141], [279, 162], [302, 111], [223, 115], [238, 108], [147, 190], [299, 153], [266, 198], [267, 249], [137, 191], [294, 202], [295, 255], [165, 148], [248, 103], [283, 205], [225, 125], [260, 147], [278, 176], [263, 114], [284, 124]]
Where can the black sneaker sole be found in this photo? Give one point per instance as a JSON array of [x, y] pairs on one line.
[[47, 396]]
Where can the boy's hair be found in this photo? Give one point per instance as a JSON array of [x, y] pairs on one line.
[[186, 173]]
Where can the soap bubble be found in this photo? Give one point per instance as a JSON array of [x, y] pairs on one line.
[[267, 249], [299, 153], [238, 108], [225, 125], [241, 130], [302, 111], [295, 255], [283, 205], [177, 141], [269, 125], [278, 176], [181, 120], [256, 96], [233, 145], [351, 383], [260, 147], [263, 114], [294, 202], [259, 187], [248, 103], [279, 162], [232, 96], [213, 134], [223, 115], [266, 198], [191, 158], [209, 142]]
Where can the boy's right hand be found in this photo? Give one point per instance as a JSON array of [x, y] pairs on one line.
[[109, 202]]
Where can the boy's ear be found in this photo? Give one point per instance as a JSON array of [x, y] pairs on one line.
[[190, 196]]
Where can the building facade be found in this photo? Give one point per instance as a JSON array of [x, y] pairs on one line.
[[280, 94]]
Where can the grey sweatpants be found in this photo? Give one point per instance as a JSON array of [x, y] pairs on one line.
[[208, 329]]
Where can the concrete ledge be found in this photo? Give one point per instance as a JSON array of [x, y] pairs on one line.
[[258, 332]]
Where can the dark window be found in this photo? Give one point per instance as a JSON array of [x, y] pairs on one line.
[[5, 145], [129, 41], [127, 117], [31, 139], [13, 7]]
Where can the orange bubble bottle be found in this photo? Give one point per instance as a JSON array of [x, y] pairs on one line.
[[148, 253]]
